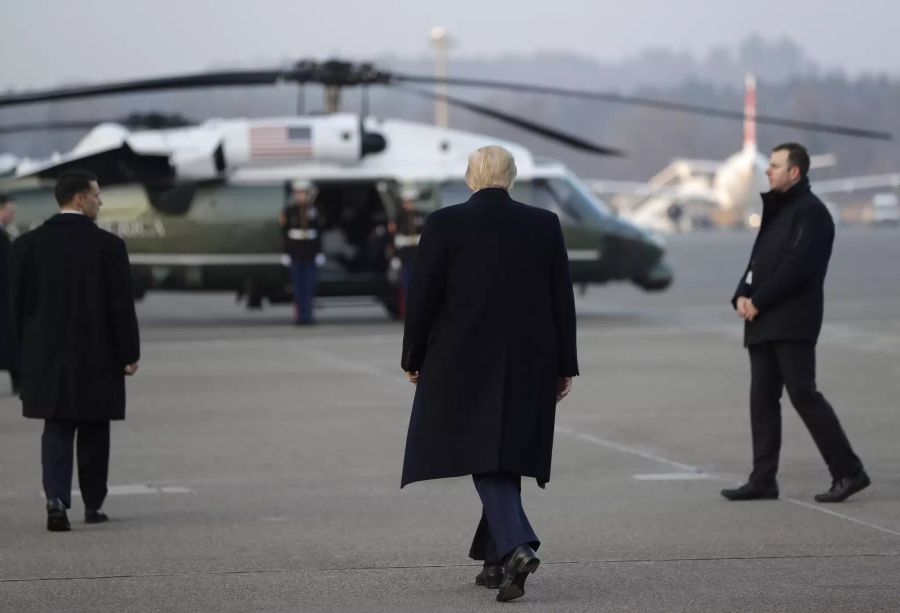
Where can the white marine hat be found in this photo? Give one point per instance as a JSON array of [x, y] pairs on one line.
[[302, 185], [410, 192]]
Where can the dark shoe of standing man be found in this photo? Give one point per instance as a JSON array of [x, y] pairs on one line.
[[752, 491], [842, 489], [97, 516], [519, 564], [491, 576], [57, 520]]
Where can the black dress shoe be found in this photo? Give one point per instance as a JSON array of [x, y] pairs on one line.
[[842, 489], [491, 576], [751, 491], [95, 517], [516, 569], [57, 520]]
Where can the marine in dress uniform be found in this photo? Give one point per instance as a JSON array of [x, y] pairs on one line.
[[302, 243]]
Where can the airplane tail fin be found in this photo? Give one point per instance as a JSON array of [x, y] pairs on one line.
[[750, 111]]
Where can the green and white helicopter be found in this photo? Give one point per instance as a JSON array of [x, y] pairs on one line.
[[198, 204]]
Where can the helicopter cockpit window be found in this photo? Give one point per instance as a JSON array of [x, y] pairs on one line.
[[549, 195], [571, 200], [591, 201]]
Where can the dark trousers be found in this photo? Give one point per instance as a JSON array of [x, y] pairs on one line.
[[774, 366], [503, 525], [303, 280], [93, 460]]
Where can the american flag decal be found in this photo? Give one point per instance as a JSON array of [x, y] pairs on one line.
[[274, 142]]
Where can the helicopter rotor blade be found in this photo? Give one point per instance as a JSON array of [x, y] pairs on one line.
[[151, 121], [341, 74], [211, 79], [648, 102], [48, 125], [332, 72], [525, 124]]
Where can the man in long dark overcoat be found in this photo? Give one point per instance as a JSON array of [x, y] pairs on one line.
[[73, 312], [489, 340], [780, 296]]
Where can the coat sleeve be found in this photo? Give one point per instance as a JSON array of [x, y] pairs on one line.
[[120, 297], [4, 268], [19, 279], [563, 306], [810, 242], [425, 296], [743, 290]]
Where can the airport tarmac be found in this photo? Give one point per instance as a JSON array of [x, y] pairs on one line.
[[259, 467]]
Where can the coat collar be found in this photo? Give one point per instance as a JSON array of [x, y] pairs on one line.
[[65, 219], [776, 202], [491, 195], [800, 188]]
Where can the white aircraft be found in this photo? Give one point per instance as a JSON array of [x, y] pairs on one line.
[[690, 193]]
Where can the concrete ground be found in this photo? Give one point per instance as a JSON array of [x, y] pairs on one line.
[[259, 466]]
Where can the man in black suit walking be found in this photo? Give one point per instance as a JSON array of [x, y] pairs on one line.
[[73, 313], [489, 340], [780, 296]]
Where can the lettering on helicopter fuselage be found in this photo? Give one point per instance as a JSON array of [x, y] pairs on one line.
[[135, 228], [123, 229]]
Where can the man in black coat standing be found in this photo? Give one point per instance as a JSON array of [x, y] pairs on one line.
[[9, 350], [73, 313], [780, 296], [489, 341]]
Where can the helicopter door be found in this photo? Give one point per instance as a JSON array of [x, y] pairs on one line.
[[354, 219]]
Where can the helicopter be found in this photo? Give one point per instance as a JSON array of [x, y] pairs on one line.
[[198, 204]]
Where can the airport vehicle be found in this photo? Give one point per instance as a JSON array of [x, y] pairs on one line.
[[886, 209]]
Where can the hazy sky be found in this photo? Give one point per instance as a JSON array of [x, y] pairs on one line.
[[45, 42]]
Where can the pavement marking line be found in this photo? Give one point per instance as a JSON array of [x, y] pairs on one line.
[[672, 477], [631, 450], [392, 378], [138, 489], [694, 470], [275, 571], [278, 339], [175, 489], [820, 509], [840, 334], [354, 366]]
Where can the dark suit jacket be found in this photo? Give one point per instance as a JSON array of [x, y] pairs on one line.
[[788, 265], [490, 326], [73, 312]]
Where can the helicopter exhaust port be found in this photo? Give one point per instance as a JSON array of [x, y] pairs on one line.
[[372, 142]]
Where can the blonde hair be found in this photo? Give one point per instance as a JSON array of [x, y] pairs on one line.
[[491, 166]]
